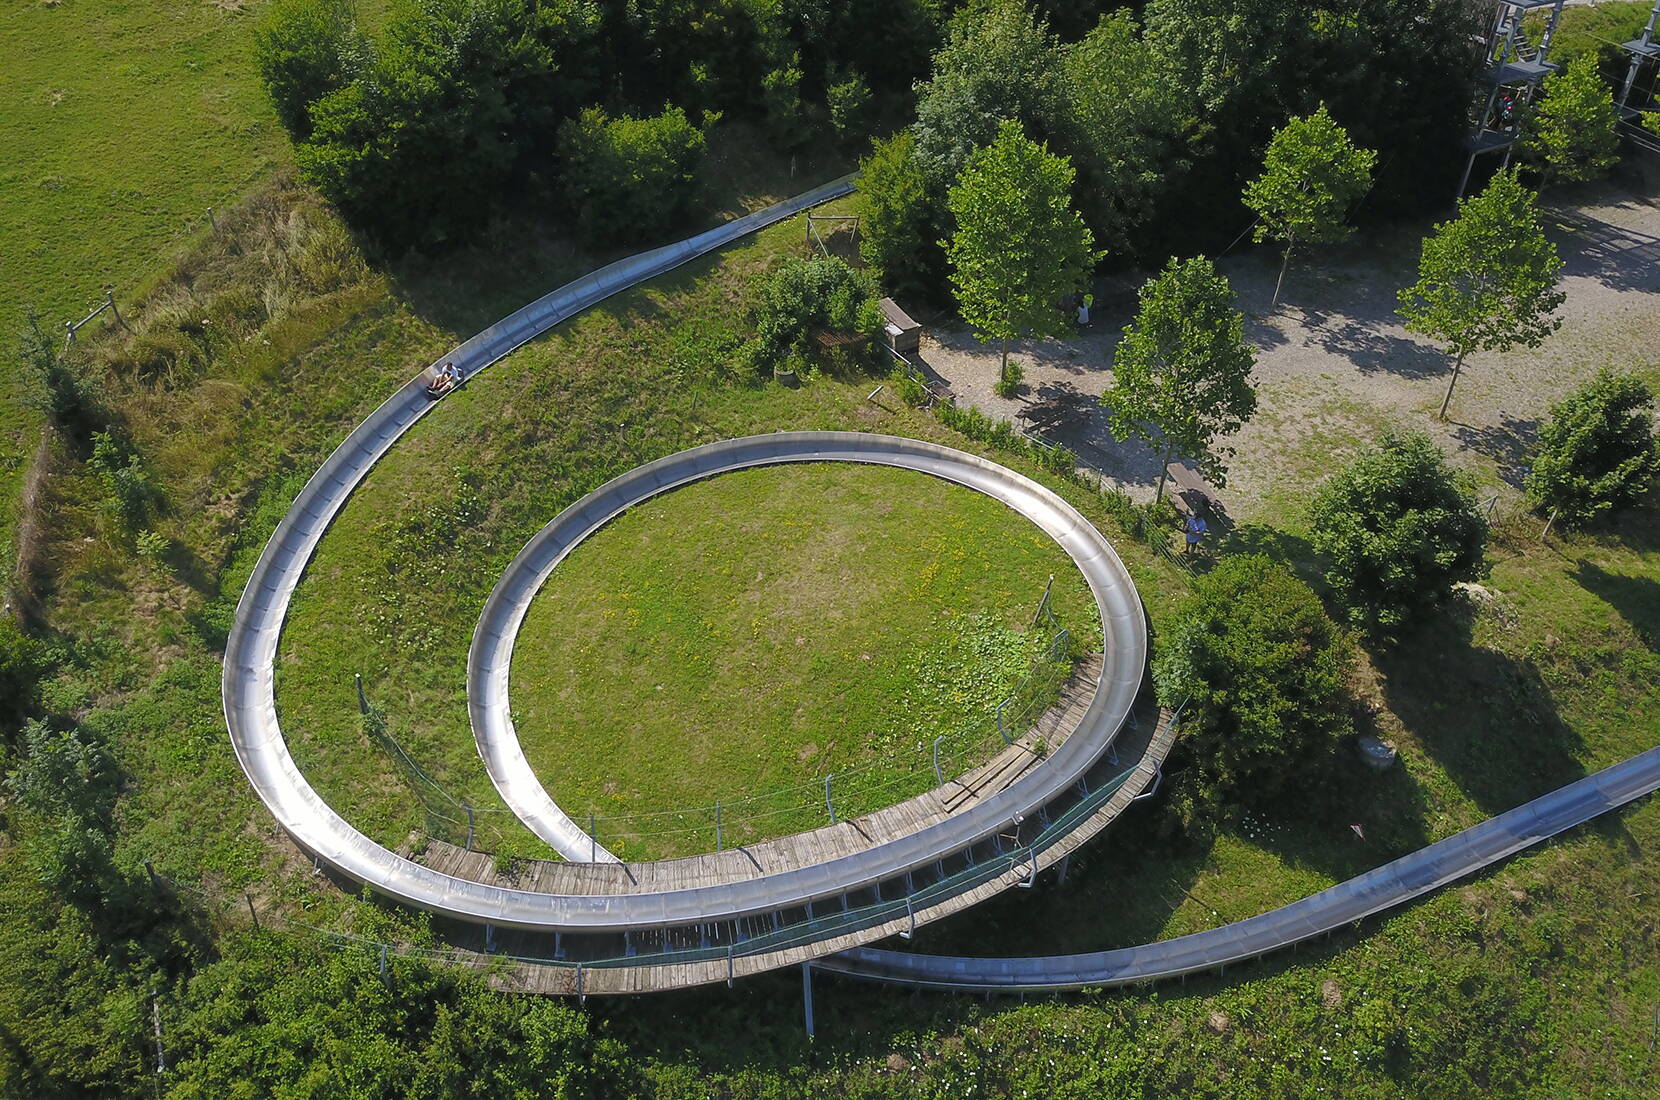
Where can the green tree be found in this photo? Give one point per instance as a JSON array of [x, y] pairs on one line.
[[1597, 452], [1487, 279], [848, 98], [1019, 247], [999, 64], [1398, 529], [1261, 667], [628, 178], [1310, 178], [1182, 373], [899, 217], [306, 49], [1118, 119], [1570, 132]]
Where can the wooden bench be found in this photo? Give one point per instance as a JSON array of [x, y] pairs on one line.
[[1191, 491]]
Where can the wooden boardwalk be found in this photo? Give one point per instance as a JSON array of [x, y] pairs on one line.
[[1143, 747], [815, 846]]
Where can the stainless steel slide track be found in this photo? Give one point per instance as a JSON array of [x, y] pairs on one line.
[[1409, 877], [248, 681], [488, 663]]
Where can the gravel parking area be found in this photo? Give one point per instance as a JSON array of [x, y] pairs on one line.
[[1335, 365]]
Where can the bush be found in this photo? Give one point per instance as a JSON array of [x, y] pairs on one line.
[[305, 49], [849, 102], [1597, 453], [1009, 379], [900, 224], [629, 179], [67, 397], [23, 661], [1399, 528], [127, 489], [1261, 666], [805, 297]]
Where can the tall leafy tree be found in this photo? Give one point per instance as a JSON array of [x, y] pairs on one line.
[[999, 64], [1398, 529], [899, 228], [1118, 117], [1019, 247], [1597, 453], [1310, 178], [1487, 279], [1182, 373], [1570, 133]]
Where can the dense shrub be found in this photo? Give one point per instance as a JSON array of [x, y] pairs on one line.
[[900, 218], [1597, 453], [23, 661], [128, 490], [802, 298], [1398, 528], [628, 179], [1261, 666], [61, 389], [280, 1011], [306, 49]]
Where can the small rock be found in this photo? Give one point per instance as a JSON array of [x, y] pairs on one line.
[[898, 1063], [1218, 1022], [1331, 994]]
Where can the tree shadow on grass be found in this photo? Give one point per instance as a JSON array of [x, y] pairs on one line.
[[1487, 716], [1509, 443], [1635, 598]]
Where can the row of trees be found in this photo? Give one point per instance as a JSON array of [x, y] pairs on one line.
[[458, 106], [1163, 120]]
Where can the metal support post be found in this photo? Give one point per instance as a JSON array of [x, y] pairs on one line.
[[155, 1022], [109, 300], [213, 221], [1066, 861], [593, 840], [489, 938], [468, 806], [253, 914], [581, 994], [807, 995], [729, 966], [828, 804], [717, 826], [939, 779], [362, 699], [1043, 604], [910, 917], [1007, 740]]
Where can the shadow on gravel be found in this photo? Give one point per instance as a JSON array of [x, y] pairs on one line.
[[1618, 257], [1509, 443]]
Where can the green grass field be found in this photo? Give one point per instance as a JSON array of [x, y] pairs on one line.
[[757, 632]]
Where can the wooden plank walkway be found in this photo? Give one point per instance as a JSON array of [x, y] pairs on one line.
[[1146, 746], [805, 849]]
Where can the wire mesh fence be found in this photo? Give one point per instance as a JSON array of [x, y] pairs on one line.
[[727, 823]]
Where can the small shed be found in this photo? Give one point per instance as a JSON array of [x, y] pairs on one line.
[[903, 334]]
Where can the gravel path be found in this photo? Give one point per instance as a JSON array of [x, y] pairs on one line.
[[1335, 366]]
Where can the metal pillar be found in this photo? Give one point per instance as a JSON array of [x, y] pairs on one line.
[[807, 995], [1640, 48], [717, 827], [939, 780], [829, 805]]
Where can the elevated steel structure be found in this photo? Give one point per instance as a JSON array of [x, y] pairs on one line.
[[1514, 67]]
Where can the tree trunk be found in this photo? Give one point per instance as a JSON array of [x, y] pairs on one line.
[[1003, 369], [1457, 364], [1549, 523], [1164, 474], [1285, 263]]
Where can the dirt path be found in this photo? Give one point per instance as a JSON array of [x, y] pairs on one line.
[[1335, 366]]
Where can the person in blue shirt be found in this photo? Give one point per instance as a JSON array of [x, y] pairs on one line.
[[1196, 529]]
